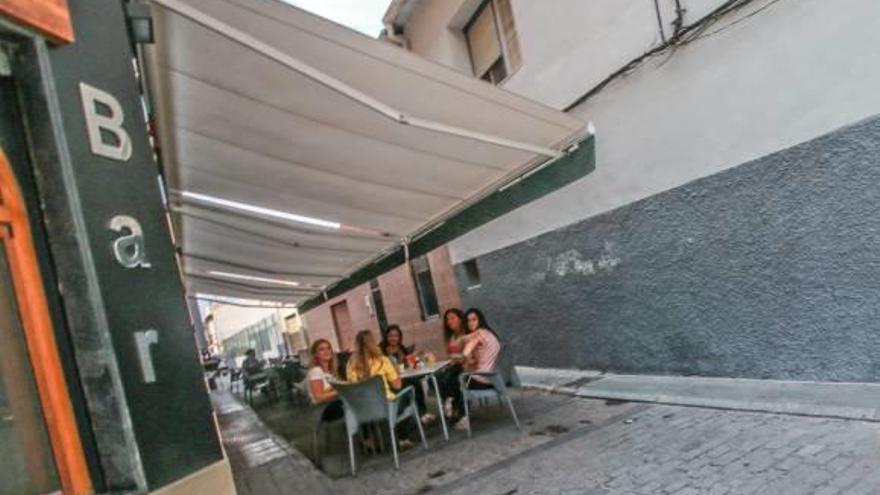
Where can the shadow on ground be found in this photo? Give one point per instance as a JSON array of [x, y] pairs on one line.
[[496, 443]]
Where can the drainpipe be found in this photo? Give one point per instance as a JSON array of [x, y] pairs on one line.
[[659, 21], [678, 23]]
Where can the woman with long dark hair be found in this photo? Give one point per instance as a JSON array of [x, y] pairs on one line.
[[479, 355], [483, 346], [393, 347], [454, 331]]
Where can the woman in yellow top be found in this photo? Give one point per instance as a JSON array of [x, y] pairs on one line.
[[367, 361]]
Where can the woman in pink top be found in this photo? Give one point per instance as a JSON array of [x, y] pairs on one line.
[[479, 354], [482, 347]]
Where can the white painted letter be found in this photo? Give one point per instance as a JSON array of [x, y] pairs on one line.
[[112, 124], [143, 341], [129, 249]]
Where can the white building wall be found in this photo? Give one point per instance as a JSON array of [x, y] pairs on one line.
[[229, 320], [797, 70], [569, 46], [433, 32]]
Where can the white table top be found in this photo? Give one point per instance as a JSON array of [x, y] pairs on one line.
[[426, 370]]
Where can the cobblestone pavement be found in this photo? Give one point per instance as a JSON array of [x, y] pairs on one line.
[[677, 450], [580, 446]]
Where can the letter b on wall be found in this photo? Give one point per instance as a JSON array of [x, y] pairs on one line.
[[104, 119]]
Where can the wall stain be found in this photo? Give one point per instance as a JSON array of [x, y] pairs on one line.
[[573, 262]]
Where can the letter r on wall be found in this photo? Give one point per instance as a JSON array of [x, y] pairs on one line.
[[110, 124], [143, 341]]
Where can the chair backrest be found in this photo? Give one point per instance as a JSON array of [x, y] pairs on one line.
[[254, 378], [364, 401], [342, 362], [505, 367], [295, 371]]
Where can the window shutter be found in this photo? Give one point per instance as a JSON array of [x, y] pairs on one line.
[[508, 29], [483, 41]]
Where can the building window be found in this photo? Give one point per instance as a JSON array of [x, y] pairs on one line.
[[425, 288], [472, 272], [378, 305], [493, 42]]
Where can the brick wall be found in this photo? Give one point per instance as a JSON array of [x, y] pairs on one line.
[[401, 307], [319, 321]]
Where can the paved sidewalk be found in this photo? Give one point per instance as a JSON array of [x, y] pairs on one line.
[[687, 450], [823, 399], [262, 463], [571, 445]]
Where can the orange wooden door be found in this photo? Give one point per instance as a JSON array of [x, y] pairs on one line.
[[34, 401]]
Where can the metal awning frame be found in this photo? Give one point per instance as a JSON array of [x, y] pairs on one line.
[[579, 161], [435, 232]]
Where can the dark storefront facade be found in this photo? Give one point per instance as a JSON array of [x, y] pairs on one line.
[[101, 389]]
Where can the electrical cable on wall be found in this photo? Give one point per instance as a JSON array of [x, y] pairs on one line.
[[681, 37]]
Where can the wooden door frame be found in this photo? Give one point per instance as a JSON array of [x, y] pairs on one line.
[[339, 340], [40, 338]]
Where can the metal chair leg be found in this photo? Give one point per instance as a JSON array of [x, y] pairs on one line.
[[421, 430], [440, 411], [512, 410], [467, 412], [351, 453], [394, 445]]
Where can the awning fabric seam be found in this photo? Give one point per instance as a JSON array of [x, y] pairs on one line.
[[319, 122], [266, 50], [399, 66]]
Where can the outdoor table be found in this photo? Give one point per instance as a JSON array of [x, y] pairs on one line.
[[430, 372]]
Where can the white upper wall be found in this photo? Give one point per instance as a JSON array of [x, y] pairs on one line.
[[432, 34], [795, 71], [229, 319], [569, 46]]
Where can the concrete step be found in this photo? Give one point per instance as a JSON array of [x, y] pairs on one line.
[[859, 401]]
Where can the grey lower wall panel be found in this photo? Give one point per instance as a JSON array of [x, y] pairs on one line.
[[770, 269]]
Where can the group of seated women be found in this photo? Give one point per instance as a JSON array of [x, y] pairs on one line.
[[471, 344]]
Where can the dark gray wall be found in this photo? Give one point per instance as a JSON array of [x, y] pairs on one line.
[[770, 269]]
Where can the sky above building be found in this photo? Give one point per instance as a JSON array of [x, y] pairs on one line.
[[361, 15]]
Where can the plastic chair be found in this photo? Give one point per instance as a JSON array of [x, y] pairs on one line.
[[255, 381], [365, 402], [235, 379], [300, 391], [505, 374]]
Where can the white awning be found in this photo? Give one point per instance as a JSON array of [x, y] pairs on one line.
[[297, 150]]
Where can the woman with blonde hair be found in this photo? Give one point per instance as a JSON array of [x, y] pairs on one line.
[[367, 361], [322, 372]]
